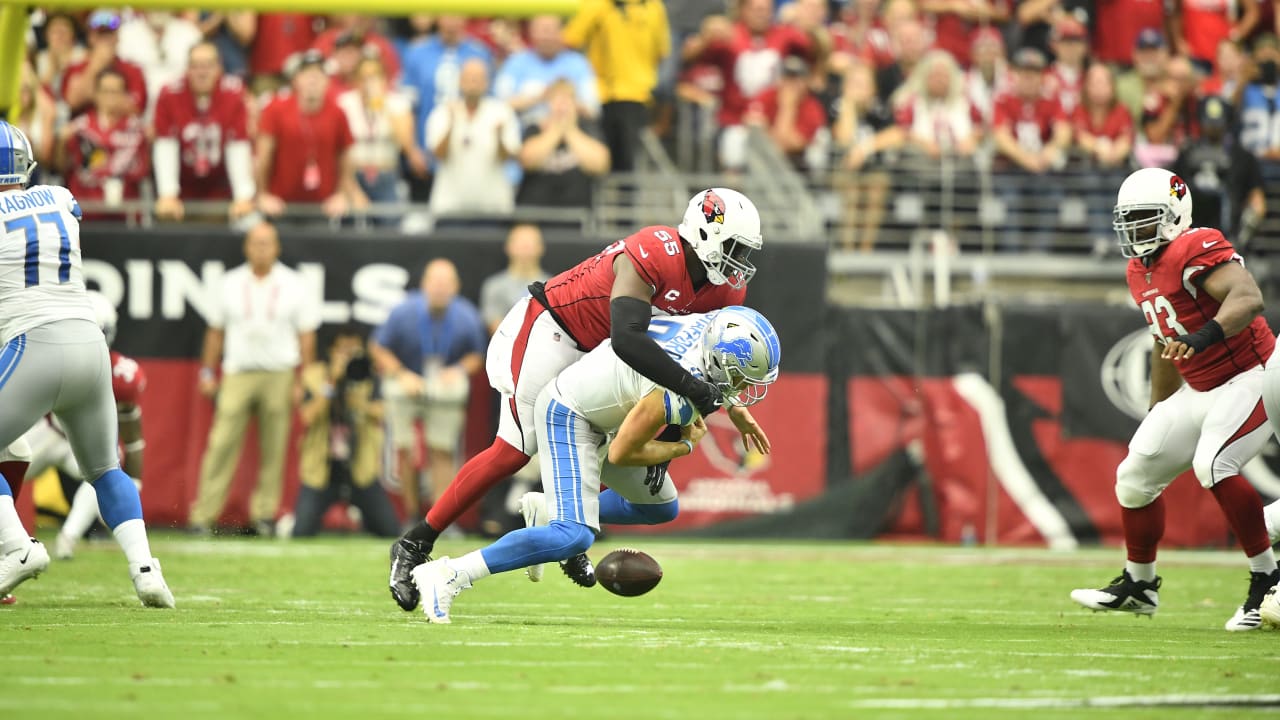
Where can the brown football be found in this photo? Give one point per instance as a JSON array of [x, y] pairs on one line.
[[628, 572]]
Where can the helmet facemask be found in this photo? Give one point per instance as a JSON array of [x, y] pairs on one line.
[[728, 265], [1141, 228], [739, 362]]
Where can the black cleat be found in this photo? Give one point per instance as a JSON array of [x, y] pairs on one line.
[[1124, 594], [405, 556], [580, 570], [1249, 616]]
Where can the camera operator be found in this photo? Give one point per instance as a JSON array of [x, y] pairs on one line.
[[341, 449]]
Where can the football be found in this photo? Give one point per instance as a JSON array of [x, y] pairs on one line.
[[628, 572]]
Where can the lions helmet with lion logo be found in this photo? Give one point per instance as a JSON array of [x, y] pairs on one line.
[[741, 354], [723, 227], [1152, 208]]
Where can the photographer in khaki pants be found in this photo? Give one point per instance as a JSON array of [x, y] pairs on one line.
[[264, 318]]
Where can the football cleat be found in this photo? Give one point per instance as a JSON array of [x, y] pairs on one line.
[[533, 506], [149, 583], [64, 548], [406, 555], [1249, 615], [23, 563], [8, 600], [580, 570], [439, 584], [1124, 594]]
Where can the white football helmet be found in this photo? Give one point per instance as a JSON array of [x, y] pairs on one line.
[[723, 227], [104, 313], [17, 159], [741, 354], [1152, 208]]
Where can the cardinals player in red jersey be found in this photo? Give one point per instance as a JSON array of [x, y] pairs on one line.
[[1211, 342], [202, 149], [698, 267], [44, 446]]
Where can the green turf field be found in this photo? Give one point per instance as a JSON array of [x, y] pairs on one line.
[[308, 630]]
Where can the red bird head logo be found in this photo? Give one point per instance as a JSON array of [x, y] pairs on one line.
[[1177, 188], [713, 207]]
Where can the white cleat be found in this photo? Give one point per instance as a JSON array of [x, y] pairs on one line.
[[64, 548], [23, 563], [1262, 586], [150, 585], [533, 506], [439, 585]]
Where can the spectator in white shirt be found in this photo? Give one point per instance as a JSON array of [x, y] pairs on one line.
[[381, 122], [265, 317], [158, 42], [472, 138]]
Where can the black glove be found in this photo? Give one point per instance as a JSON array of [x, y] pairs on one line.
[[705, 396], [1210, 333], [656, 476]]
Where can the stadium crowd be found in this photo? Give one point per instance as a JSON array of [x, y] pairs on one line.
[[474, 117]]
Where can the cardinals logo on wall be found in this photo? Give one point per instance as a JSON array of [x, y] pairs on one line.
[[713, 207]]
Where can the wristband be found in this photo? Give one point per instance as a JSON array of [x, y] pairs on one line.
[[133, 413], [688, 444], [135, 446], [206, 373]]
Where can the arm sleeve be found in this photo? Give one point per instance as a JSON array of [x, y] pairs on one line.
[[166, 157], [240, 170], [629, 319], [437, 126]]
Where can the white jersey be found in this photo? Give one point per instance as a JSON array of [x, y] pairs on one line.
[[41, 278], [602, 389]]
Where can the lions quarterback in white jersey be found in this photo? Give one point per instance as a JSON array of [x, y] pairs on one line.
[[597, 423], [54, 360]]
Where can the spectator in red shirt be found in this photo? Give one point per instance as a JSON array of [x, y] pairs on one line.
[[1103, 131], [79, 82], [1230, 74], [860, 33], [1069, 41], [1031, 137], [304, 147], [1117, 24], [360, 28], [276, 38], [201, 130], [105, 149], [1169, 115], [954, 22], [789, 112], [1197, 26]]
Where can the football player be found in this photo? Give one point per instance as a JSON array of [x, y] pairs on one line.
[[700, 266], [1204, 309], [55, 360], [598, 397], [202, 149]]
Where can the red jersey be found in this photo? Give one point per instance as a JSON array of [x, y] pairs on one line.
[[308, 148], [203, 130], [579, 296], [1031, 121], [954, 33], [278, 36], [872, 46], [1116, 124], [1118, 23], [810, 117], [127, 379], [135, 83], [96, 151], [1187, 125], [1174, 303], [750, 64], [1065, 84], [1205, 23]]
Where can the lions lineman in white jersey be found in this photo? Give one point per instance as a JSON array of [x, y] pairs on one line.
[[54, 359], [596, 424]]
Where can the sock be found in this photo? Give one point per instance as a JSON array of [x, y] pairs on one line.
[[617, 510], [118, 499], [15, 471], [132, 536], [1141, 571], [422, 533], [476, 477], [560, 540], [1242, 507], [1143, 528], [471, 565], [83, 512], [1271, 514], [1264, 562], [12, 534]]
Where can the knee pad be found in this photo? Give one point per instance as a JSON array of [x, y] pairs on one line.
[[1133, 490], [658, 514], [577, 537]]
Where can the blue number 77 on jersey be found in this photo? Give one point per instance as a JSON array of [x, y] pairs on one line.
[[29, 224]]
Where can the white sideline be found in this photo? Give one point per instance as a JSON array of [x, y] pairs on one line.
[[1007, 466], [1012, 703]]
